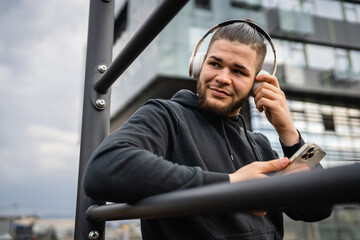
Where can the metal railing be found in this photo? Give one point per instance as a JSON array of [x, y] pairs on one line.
[[312, 188], [328, 186]]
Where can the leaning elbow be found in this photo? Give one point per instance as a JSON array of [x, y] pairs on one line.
[[328, 211], [99, 186], [90, 189], [92, 186]]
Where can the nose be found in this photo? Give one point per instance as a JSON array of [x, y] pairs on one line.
[[223, 76]]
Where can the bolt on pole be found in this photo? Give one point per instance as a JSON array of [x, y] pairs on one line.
[[96, 114]]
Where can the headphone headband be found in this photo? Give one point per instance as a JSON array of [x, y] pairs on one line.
[[229, 22]]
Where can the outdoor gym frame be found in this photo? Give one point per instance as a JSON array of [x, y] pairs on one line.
[[337, 185]]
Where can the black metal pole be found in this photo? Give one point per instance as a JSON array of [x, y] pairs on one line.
[[152, 26], [96, 110], [330, 186]]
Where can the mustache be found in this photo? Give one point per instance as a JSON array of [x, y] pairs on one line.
[[219, 88]]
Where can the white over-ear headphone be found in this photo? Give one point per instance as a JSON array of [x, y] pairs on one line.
[[197, 58]]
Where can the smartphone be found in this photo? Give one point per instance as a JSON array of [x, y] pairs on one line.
[[309, 154]]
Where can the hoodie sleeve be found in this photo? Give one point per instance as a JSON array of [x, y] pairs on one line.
[[307, 214], [310, 214], [131, 163]]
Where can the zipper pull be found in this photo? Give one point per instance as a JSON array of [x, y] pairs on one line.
[[232, 157]]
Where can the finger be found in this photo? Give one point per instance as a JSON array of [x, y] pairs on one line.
[[269, 91], [268, 78], [272, 104], [269, 97], [259, 213], [297, 169], [274, 165]]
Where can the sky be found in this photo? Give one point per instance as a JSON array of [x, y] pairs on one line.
[[42, 64]]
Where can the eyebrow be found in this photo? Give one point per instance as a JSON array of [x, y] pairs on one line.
[[242, 67]]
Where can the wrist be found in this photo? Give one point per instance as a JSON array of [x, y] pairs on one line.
[[235, 177], [231, 178], [289, 137]]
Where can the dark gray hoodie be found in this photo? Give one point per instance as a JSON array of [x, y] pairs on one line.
[[169, 145]]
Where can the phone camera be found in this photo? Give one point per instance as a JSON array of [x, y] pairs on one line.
[[308, 154]]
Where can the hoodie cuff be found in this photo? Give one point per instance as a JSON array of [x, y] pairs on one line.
[[290, 150], [213, 177]]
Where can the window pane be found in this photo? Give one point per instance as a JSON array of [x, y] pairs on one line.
[[320, 57], [328, 9], [289, 53], [269, 3], [328, 121], [355, 61], [296, 5], [289, 5], [296, 21], [341, 60], [351, 12]]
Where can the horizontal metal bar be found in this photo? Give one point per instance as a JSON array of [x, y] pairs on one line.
[[329, 186], [154, 24]]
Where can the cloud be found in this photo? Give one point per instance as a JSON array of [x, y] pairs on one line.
[[42, 57], [57, 146], [46, 152], [5, 73]]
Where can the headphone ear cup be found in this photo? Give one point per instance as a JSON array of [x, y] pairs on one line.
[[197, 63], [256, 83]]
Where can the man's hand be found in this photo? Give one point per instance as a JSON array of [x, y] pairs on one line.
[[271, 99], [256, 170]]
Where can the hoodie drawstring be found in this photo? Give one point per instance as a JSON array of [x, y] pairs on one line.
[[227, 141], [248, 138]]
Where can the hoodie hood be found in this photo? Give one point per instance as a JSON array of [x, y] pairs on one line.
[[186, 98]]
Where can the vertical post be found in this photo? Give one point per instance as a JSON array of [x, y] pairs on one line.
[[96, 109]]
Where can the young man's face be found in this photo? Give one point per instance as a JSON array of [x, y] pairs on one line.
[[226, 77]]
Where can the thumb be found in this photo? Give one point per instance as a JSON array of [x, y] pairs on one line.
[[275, 165]]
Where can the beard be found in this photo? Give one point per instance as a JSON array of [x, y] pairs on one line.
[[214, 109]]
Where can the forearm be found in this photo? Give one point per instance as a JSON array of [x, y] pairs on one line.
[[289, 136], [289, 150], [127, 174]]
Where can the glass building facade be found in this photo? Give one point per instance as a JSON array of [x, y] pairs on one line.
[[318, 56], [336, 129]]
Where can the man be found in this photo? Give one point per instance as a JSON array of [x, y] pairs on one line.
[[194, 140]]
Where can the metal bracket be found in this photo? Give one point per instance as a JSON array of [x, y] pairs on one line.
[[100, 101]]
